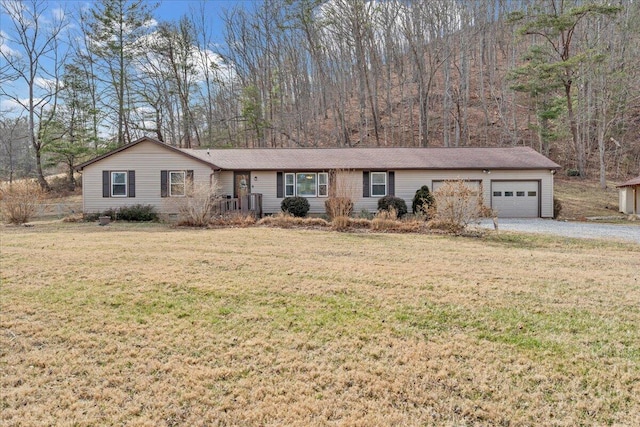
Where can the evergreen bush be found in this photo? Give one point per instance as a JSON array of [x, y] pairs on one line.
[[422, 201], [296, 206], [134, 213], [398, 204]]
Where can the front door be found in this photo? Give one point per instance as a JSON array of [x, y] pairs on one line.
[[242, 186]]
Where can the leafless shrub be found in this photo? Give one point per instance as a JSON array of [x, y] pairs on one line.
[[337, 207], [197, 207], [457, 205], [20, 201], [342, 191]]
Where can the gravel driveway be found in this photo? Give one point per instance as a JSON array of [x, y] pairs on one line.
[[587, 230]]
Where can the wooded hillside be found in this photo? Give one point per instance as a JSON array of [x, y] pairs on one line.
[[557, 75]]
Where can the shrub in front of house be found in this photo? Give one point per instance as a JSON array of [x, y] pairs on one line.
[[340, 223], [338, 207], [296, 206], [387, 203], [200, 206], [134, 213], [422, 201], [456, 206]]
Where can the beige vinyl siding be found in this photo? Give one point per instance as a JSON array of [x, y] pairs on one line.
[[264, 182], [225, 182], [147, 160], [407, 182]]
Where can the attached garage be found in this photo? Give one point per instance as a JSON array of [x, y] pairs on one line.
[[516, 199]]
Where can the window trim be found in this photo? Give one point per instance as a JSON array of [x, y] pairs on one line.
[[371, 184], [292, 184], [325, 175], [125, 184], [184, 183]]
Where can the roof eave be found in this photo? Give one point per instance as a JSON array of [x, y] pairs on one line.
[[81, 166]]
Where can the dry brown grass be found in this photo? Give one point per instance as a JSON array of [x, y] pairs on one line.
[[234, 219], [582, 199], [140, 324], [286, 220]]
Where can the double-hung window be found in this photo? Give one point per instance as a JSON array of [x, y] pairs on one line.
[[378, 184], [175, 183], [177, 180], [289, 185], [306, 184], [323, 184], [118, 184]]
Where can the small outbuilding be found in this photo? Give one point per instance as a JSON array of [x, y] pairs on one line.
[[629, 193]]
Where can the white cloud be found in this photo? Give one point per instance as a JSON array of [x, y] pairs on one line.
[[13, 105], [202, 60], [5, 48], [7, 51], [208, 58], [58, 14], [43, 83], [150, 23]]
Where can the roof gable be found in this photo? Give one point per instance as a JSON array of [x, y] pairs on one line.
[[141, 140]]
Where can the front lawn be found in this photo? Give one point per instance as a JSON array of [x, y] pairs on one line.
[[142, 324]]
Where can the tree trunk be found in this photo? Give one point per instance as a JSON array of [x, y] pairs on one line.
[[574, 131]]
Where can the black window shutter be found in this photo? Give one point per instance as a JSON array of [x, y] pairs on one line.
[[106, 184], [392, 183], [189, 183], [331, 177], [365, 184], [131, 180], [279, 185], [164, 189]]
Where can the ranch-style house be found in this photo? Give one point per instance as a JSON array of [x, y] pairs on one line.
[[514, 181]]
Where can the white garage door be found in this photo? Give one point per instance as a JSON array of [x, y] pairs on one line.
[[515, 199]]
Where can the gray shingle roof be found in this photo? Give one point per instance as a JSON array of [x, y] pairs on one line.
[[374, 158], [300, 159]]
